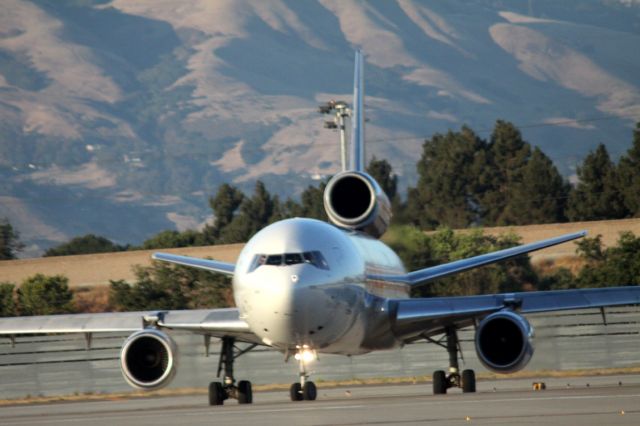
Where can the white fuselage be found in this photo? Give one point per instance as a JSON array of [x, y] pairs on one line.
[[302, 282]]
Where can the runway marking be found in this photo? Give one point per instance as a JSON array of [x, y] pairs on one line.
[[128, 416], [149, 414]]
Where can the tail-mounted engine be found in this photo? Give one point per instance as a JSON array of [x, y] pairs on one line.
[[504, 342], [354, 200], [149, 359]]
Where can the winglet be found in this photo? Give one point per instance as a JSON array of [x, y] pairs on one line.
[[357, 118]]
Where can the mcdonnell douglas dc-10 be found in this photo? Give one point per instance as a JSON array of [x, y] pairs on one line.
[[305, 287]]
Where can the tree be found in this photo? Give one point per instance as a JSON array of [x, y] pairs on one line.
[[512, 275], [419, 250], [412, 246], [45, 295], [255, 213], [163, 286], [596, 196], [311, 203], [613, 266], [7, 300], [538, 196], [382, 172], [173, 239], [629, 175], [508, 155], [224, 205], [86, 244], [9, 241], [448, 173]]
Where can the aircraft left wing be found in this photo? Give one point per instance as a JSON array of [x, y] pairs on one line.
[[194, 262], [423, 276], [213, 322]]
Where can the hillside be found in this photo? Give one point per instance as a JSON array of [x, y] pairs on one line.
[[120, 118]]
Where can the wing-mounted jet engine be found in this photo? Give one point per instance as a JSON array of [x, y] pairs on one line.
[[148, 359], [504, 342], [354, 200]]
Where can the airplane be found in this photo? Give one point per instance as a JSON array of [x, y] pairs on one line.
[[306, 287]]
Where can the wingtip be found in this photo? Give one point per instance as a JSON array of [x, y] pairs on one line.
[[156, 256]]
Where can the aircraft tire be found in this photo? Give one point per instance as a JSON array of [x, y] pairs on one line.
[[295, 392], [468, 381], [245, 392], [309, 392], [439, 382], [216, 393]]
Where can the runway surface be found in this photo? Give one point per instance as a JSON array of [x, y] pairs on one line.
[[610, 400]]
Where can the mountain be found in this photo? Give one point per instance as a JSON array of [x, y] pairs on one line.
[[121, 117]]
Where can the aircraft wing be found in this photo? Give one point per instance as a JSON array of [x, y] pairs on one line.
[[195, 262], [423, 317], [423, 276], [213, 322]]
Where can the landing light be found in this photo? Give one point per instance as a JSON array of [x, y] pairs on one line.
[[306, 355]]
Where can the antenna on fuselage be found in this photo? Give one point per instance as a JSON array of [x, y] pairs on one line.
[[357, 116]]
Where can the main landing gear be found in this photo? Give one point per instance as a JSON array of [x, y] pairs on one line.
[[442, 381], [218, 392], [304, 389]]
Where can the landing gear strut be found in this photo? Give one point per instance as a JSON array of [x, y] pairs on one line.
[[304, 389], [443, 381], [218, 392]]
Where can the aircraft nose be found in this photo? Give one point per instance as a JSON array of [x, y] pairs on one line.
[[286, 305]]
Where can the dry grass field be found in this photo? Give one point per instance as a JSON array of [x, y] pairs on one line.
[[97, 269]]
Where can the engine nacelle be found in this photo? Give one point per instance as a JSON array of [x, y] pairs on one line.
[[504, 342], [354, 200], [149, 359]]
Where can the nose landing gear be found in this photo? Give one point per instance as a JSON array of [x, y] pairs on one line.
[[218, 392], [304, 389], [443, 381]]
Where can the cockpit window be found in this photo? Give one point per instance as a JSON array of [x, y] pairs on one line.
[[314, 258], [274, 259], [292, 258]]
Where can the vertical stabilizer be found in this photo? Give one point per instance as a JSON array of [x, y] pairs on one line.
[[353, 199], [357, 117]]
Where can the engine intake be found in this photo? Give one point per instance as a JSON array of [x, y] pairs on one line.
[[354, 200], [504, 342], [149, 359]]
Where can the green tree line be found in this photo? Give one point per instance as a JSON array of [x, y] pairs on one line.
[[162, 286], [464, 181], [37, 295]]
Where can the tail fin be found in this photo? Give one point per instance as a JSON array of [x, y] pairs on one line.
[[357, 118], [353, 199]]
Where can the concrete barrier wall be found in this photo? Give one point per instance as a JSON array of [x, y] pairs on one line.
[[59, 365]]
